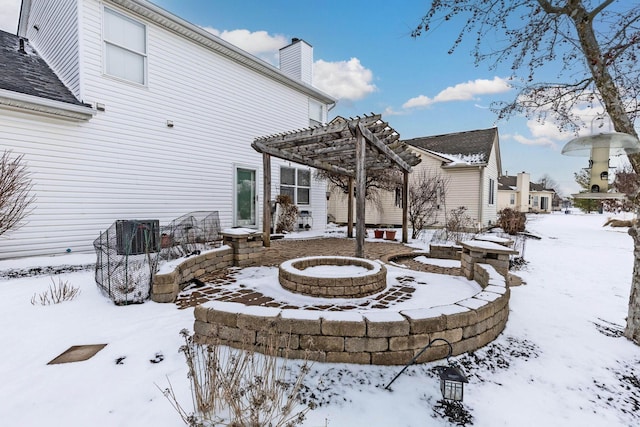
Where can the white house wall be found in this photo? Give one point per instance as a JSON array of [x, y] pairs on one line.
[[56, 38], [126, 163], [489, 211]]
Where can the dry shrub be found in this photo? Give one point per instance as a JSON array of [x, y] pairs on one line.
[[241, 388], [57, 293], [15, 191], [511, 221], [288, 214]]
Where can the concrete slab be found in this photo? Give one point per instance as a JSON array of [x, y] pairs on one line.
[[77, 353]]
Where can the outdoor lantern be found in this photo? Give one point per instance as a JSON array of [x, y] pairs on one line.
[[452, 381], [452, 378]]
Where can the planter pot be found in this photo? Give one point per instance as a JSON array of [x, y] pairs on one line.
[[165, 242], [378, 234], [390, 234]]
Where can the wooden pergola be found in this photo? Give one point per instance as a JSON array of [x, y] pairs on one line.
[[345, 147]]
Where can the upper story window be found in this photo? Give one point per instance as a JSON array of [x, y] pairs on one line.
[[296, 183], [125, 47], [316, 113], [512, 199]]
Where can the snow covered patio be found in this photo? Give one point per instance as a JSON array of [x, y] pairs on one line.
[[561, 359]]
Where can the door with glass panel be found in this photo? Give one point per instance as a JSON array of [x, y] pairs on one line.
[[245, 197]]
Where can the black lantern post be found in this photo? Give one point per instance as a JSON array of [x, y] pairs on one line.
[[452, 378]]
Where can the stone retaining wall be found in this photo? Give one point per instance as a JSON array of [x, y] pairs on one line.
[[166, 286], [368, 337], [445, 251], [240, 249]]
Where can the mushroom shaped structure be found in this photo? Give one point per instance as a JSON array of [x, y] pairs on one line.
[[599, 148]]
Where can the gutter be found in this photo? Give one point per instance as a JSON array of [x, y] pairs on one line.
[[21, 101], [481, 201]]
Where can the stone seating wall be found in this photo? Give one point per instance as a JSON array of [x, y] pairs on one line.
[[368, 337], [239, 250]]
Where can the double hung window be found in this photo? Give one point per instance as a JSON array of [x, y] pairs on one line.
[[125, 47]]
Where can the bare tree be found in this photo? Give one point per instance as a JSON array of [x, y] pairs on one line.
[[627, 182], [548, 183], [426, 196], [596, 41], [15, 189], [377, 181]]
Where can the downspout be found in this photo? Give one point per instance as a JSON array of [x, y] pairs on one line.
[[481, 201]]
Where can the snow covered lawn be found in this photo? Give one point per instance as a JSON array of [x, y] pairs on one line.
[[560, 361]]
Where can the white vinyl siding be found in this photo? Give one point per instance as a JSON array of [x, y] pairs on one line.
[[56, 38], [126, 163]]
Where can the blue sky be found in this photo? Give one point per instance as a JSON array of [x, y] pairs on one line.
[[364, 55]]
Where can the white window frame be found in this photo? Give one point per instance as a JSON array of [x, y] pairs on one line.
[[314, 108], [492, 196], [296, 186], [106, 42], [512, 199]]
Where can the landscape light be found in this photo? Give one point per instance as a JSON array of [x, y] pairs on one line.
[[452, 381], [452, 378]]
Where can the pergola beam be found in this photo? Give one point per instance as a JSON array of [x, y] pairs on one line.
[[344, 147]]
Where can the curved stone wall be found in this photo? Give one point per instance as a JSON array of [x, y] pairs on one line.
[[369, 337], [292, 277]]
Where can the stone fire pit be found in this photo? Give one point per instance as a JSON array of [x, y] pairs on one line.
[[333, 277]]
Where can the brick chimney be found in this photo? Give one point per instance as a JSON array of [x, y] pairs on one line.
[[296, 61]]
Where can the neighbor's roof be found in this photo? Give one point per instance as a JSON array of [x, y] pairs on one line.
[[471, 147], [510, 182], [27, 73]]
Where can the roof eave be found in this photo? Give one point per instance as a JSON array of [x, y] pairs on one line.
[[21, 101], [198, 35]]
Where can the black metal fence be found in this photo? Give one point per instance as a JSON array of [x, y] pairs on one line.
[[130, 252]]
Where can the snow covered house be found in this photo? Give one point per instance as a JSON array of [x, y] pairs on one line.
[[519, 193], [123, 110], [469, 162]]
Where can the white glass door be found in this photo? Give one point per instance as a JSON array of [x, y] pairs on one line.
[[246, 197]]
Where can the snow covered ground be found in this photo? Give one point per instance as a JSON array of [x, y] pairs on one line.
[[560, 361]]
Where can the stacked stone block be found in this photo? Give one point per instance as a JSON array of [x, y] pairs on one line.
[[239, 250], [165, 287], [292, 277], [247, 248], [370, 337], [487, 253], [445, 251]]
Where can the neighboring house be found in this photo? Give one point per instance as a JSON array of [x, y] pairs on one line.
[[125, 111], [468, 161], [519, 193]]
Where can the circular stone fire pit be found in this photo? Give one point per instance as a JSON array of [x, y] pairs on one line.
[[333, 277]]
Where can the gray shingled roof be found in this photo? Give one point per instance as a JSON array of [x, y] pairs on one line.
[[473, 146], [27, 73], [508, 182]]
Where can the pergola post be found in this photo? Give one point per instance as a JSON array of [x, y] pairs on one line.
[[405, 207], [350, 207], [361, 181], [266, 199]]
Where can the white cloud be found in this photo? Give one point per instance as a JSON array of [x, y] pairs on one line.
[[259, 43], [346, 80], [541, 141], [462, 92], [9, 10]]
